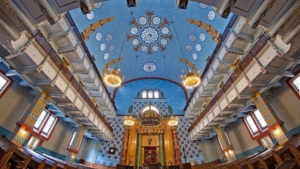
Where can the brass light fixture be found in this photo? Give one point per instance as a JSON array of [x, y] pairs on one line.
[[191, 79], [128, 121], [113, 78], [150, 118], [173, 121]]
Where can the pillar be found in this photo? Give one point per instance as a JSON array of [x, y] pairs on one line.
[[139, 151], [176, 147], [76, 144], [204, 153], [125, 146], [225, 144], [161, 150], [25, 126], [276, 128]]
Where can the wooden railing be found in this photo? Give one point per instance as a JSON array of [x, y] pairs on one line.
[[12, 156], [98, 166], [286, 156]]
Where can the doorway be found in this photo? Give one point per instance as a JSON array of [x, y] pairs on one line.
[[150, 155]]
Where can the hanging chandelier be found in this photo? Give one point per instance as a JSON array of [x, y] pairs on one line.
[[150, 118], [173, 121], [191, 80], [113, 78], [128, 121]]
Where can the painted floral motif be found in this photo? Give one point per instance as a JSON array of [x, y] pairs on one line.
[[149, 35], [149, 67]]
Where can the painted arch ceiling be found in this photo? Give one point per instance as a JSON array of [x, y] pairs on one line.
[[145, 36]]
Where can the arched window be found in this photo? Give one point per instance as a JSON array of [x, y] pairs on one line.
[[144, 94], [150, 94], [156, 94], [152, 108]]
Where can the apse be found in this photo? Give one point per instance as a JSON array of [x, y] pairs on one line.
[[174, 94]]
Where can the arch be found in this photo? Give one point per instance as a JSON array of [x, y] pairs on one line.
[[209, 29], [92, 27], [158, 78], [147, 107]]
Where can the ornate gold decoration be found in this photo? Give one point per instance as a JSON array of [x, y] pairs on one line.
[[209, 29], [150, 118], [91, 28], [113, 78], [191, 80], [195, 69], [66, 62], [128, 121], [173, 121], [108, 65], [235, 63]]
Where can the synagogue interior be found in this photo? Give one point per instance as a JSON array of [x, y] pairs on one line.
[[150, 84]]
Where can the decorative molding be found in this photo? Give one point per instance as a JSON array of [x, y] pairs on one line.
[[91, 28], [209, 29]]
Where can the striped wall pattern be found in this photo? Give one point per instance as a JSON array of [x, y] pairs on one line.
[[281, 135], [20, 135], [223, 138]]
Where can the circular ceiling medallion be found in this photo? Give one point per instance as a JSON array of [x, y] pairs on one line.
[[156, 20], [192, 38], [102, 47], [181, 70], [149, 35], [90, 15], [98, 5], [111, 48], [98, 36], [211, 15], [144, 48], [189, 48], [134, 30], [155, 48], [198, 47], [135, 42], [203, 6], [108, 37], [149, 67], [202, 36], [165, 30], [194, 56], [105, 56], [164, 41], [142, 20]]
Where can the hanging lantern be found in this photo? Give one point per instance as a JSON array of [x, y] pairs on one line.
[[113, 78], [191, 80]]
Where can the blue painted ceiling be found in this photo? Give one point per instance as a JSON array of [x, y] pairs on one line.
[[161, 61]]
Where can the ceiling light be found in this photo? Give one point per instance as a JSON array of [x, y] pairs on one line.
[[113, 78], [128, 121], [150, 118], [173, 121], [191, 80]]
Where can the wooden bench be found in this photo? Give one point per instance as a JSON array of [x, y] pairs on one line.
[[13, 156]]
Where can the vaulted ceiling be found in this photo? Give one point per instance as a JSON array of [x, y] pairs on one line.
[[145, 37]]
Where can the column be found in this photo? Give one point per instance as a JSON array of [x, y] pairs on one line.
[[204, 153], [76, 144], [139, 151], [25, 125], [176, 147], [276, 128], [125, 146], [225, 144], [161, 150]]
